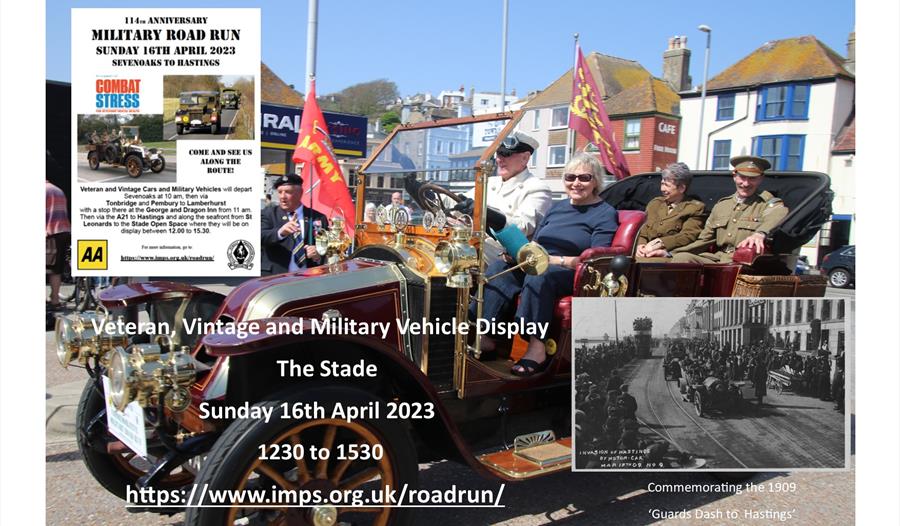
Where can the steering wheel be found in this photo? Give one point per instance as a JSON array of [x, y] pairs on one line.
[[428, 196]]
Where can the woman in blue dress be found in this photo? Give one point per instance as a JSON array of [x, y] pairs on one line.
[[570, 227]]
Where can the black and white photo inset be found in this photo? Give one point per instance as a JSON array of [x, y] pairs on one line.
[[719, 384]]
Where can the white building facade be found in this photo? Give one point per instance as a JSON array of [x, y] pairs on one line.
[[787, 102]]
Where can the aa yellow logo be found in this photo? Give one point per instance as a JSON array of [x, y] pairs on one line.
[[92, 254]]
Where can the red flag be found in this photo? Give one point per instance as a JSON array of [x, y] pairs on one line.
[[324, 187], [588, 117]]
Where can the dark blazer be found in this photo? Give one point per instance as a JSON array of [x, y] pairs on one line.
[[276, 253], [675, 229]]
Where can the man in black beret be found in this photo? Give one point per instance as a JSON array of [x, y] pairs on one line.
[[288, 230]]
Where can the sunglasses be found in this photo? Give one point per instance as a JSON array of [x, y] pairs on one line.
[[584, 178]]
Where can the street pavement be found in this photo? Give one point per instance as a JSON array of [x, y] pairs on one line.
[[571, 499], [113, 174], [789, 430], [202, 134]]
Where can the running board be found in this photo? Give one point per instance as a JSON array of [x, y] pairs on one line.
[[532, 455]]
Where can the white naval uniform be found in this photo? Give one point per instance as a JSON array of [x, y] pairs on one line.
[[523, 199]]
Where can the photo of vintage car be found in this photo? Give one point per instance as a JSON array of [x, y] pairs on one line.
[[231, 98], [198, 109], [201, 400], [125, 150], [715, 395]]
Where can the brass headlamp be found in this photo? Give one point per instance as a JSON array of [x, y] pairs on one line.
[[332, 243], [78, 338], [144, 373], [454, 257]]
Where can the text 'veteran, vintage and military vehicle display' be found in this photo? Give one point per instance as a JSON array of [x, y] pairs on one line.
[[368, 357], [231, 98], [198, 109], [126, 150]]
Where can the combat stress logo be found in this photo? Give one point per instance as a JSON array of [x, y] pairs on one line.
[[240, 254], [118, 95]]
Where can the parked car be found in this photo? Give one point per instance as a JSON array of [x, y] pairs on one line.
[[126, 151], [427, 395], [840, 266], [198, 109], [802, 266]]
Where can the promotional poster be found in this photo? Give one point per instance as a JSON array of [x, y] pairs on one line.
[[334, 263]]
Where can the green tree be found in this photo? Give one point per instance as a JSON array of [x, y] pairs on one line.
[[367, 98], [389, 121]]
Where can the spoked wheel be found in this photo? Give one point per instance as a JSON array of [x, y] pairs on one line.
[[157, 165], [134, 166], [115, 471], [366, 459], [698, 404], [94, 160]]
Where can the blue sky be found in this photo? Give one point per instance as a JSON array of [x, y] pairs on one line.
[[433, 46]]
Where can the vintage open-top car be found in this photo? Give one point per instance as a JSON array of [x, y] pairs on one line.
[[127, 151], [328, 358], [715, 394]]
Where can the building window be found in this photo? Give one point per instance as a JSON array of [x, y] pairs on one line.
[[786, 101], [632, 135], [560, 117], [536, 123], [725, 108], [826, 309], [532, 160], [721, 154], [419, 149], [798, 311], [440, 147], [784, 152], [840, 309], [556, 155], [484, 102]]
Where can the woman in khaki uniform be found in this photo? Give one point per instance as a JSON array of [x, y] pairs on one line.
[[672, 220]]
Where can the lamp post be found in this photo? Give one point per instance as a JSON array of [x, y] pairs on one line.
[[708, 30]]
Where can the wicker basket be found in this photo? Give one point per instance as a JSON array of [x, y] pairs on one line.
[[780, 286]]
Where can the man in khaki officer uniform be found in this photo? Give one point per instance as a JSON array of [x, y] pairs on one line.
[[743, 219]]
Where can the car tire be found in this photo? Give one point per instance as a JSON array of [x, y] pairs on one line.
[[114, 471], [134, 166], [93, 160], [157, 165], [839, 278], [214, 129], [179, 129], [233, 462], [698, 404]]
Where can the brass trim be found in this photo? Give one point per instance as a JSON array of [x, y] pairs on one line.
[[426, 311], [404, 312], [525, 474], [265, 302]]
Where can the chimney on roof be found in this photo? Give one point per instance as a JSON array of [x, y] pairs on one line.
[[677, 64], [850, 62]]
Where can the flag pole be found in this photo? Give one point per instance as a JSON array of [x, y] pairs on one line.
[[503, 56], [571, 135], [311, 91]]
